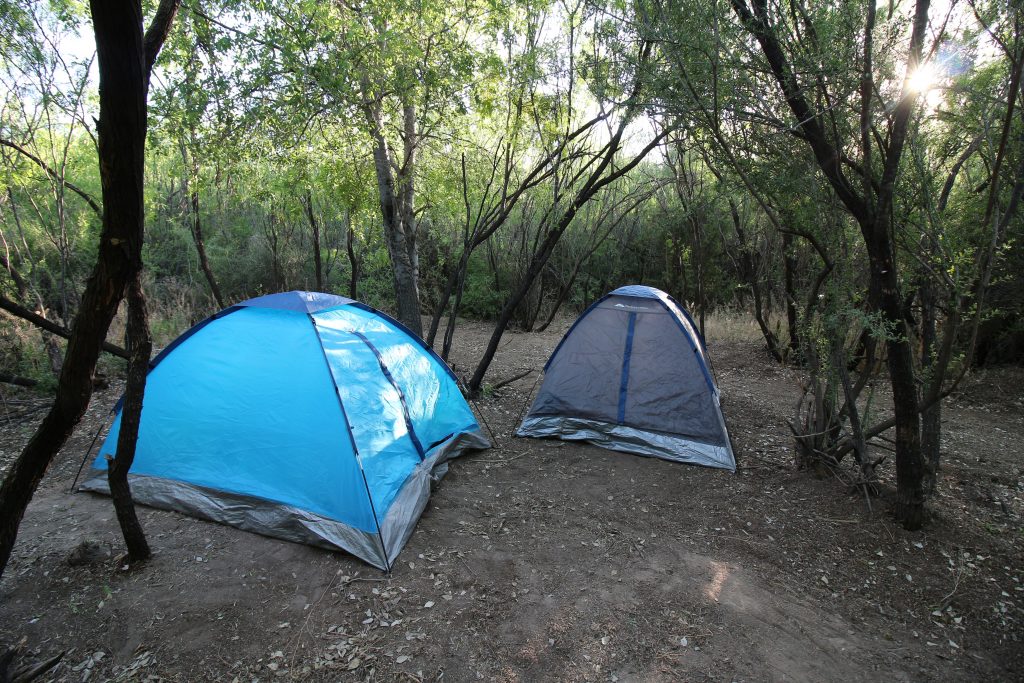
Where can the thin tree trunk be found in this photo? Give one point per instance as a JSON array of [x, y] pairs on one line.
[[789, 268], [509, 309], [18, 381], [196, 226], [307, 203], [931, 417], [749, 267], [20, 286], [449, 330], [140, 345], [860, 449], [407, 199], [204, 262], [353, 262], [533, 309], [442, 306], [563, 292], [698, 258], [273, 232]]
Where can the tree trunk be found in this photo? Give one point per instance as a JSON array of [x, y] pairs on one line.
[[307, 203], [885, 295], [563, 292], [442, 306], [353, 262], [698, 262], [17, 381], [509, 309], [140, 346], [749, 268], [449, 330], [873, 212], [398, 235], [204, 262], [197, 228], [124, 61], [931, 417], [274, 232], [789, 268], [20, 286], [407, 199]]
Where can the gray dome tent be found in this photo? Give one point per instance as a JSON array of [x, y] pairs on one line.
[[631, 375]]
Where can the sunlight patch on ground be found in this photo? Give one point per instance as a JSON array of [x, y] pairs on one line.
[[714, 587]]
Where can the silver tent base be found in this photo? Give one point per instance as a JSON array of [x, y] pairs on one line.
[[629, 439], [274, 519]]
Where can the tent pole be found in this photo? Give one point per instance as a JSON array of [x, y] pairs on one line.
[[85, 459], [486, 424], [526, 402], [483, 418]]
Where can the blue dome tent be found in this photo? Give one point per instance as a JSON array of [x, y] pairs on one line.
[[632, 375], [304, 416]]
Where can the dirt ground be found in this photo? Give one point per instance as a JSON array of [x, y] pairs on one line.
[[550, 561]]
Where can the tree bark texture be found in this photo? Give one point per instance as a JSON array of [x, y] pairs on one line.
[[140, 345], [353, 262], [396, 196], [885, 296], [204, 261], [314, 226], [931, 416], [789, 268]]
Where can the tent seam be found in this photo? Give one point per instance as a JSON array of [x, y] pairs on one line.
[[401, 394], [352, 440], [624, 378]]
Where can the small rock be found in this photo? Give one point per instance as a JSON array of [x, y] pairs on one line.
[[88, 552]]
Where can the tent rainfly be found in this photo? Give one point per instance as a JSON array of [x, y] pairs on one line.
[[631, 375], [304, 416]]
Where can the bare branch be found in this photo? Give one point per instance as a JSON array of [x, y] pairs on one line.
[[53, 174]]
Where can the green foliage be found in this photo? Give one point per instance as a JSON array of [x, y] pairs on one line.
[[481, 298], [23, 354], [256, 107]]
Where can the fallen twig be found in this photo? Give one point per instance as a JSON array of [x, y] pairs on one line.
[[31, 673], [508, 381], [500, 461]]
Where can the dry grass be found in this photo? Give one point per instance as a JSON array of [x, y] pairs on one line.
[[171, 312], [731, 325]]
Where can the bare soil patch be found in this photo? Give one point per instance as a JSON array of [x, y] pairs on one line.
[[543, 560]]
